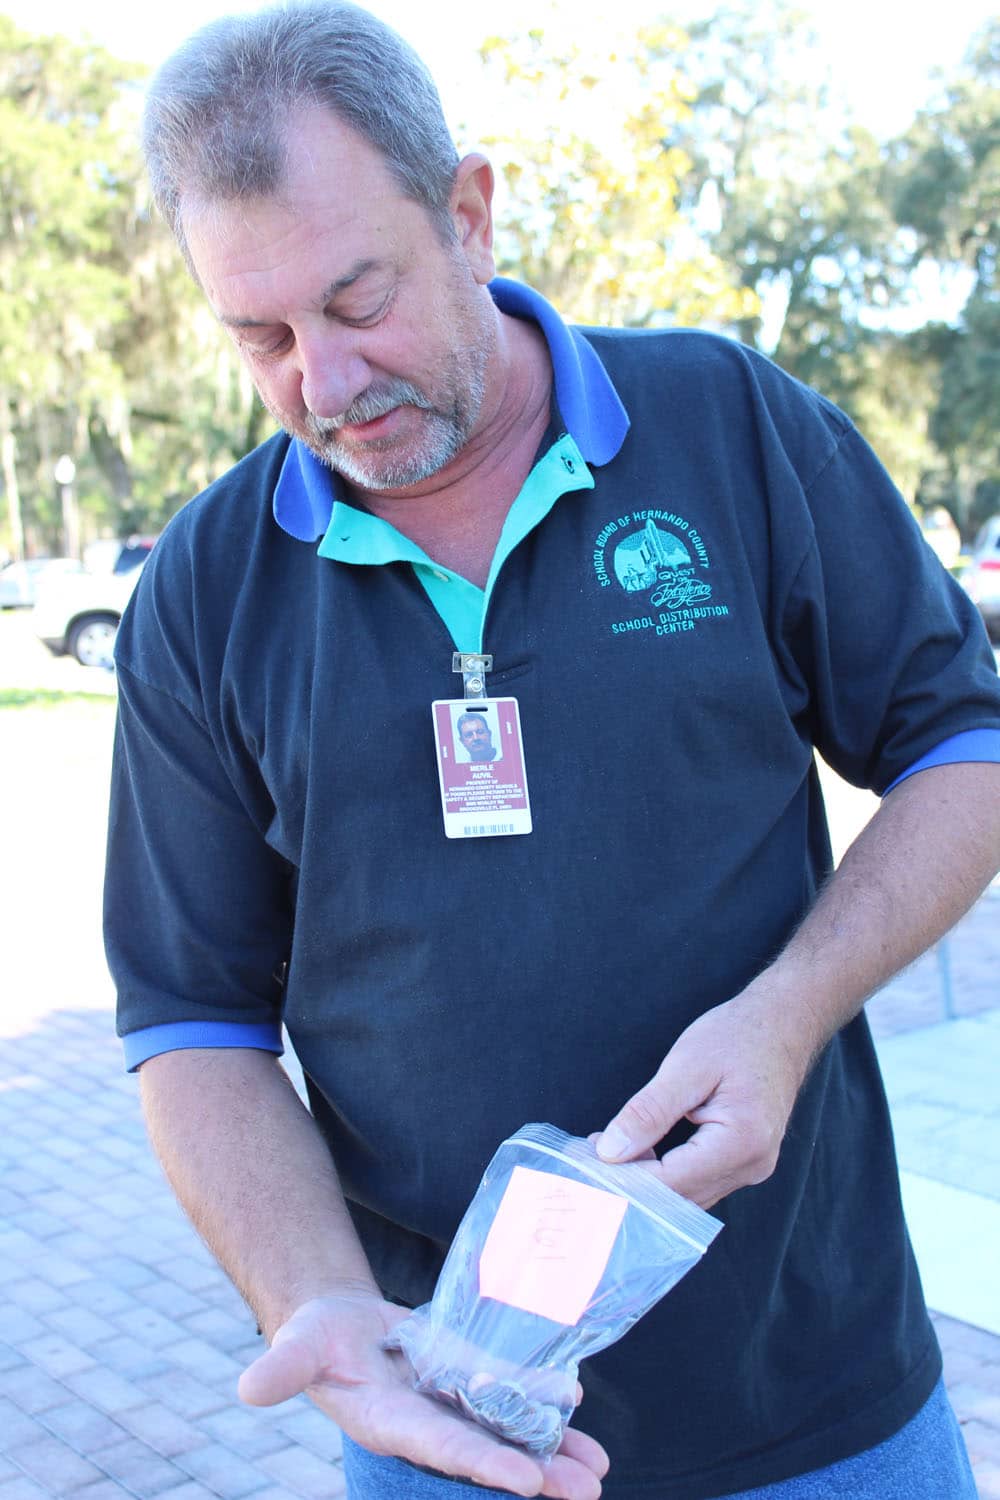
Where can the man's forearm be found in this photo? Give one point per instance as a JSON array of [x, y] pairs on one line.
[[912, 872], [735, 1072], [251, 1169]]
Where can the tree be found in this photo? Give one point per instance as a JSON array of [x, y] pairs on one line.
[[59, 299], [829, 227], [591, 218], [946, 168], [107, 352], [945, 190], [792, 185]]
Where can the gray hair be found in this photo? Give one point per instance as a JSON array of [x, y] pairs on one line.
[[217, 110]]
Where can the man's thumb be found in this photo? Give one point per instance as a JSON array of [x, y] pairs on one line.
[[636, 1128], [283, 1372]]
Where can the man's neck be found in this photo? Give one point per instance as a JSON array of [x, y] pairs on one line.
[[457, 515]]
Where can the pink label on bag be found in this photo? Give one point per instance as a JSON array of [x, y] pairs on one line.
[[549, 1244]]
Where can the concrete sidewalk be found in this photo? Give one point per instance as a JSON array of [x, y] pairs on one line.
[[942, 1078]]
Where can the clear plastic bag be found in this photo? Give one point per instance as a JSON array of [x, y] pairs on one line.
[[558, 1254]]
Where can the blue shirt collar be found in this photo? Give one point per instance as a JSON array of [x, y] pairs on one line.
[[588, 403]]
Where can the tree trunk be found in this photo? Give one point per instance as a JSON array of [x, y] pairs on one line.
[[110, 455], [8, 462]]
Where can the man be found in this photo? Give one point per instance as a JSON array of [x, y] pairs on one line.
[[477, 740], [691, 564]]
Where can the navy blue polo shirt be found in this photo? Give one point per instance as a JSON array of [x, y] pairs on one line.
[[684, 607]]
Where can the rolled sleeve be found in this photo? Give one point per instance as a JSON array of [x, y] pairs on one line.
[[974, 746], [178, 1036]]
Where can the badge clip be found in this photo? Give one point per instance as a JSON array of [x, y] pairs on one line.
[[473, 667]]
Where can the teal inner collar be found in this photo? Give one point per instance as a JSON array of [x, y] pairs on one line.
[[356, 536]]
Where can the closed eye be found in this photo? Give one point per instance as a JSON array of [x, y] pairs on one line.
[[267, 348], [365, 319]]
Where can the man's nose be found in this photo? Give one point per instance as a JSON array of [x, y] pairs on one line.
[[333, 373]]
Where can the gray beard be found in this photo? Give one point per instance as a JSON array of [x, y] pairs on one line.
[[375, 467]]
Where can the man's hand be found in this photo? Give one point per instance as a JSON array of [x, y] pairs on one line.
[[735, 1074], [331, 1349]]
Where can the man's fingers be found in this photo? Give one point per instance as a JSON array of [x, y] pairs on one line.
[[585, 1450], [430, 1434], [576, 1471], [564, 1481], [705, 1168], [452, 1444], [283, 1372], [718, 1159]]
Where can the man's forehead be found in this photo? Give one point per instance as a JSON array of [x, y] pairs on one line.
[[334, 185], [327, 294], [248, 255]]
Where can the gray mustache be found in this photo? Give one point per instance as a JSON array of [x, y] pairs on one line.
[[372, 403]]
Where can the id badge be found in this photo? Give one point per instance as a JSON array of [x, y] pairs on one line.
[[484, 791]]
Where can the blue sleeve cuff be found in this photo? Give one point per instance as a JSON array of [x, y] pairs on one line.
[[174, 1036], [971, 745]]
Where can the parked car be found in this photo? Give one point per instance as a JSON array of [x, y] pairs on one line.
[[981, 579], [79, 615], [20, 581]]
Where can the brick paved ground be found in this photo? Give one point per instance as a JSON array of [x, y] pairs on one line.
[[972, 1373], [120, 1341]]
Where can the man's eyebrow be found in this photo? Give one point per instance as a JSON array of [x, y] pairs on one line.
[[359, 269], [341, 284], [228, 322]]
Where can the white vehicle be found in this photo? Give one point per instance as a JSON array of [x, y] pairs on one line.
[[21, 581], [78, 615]]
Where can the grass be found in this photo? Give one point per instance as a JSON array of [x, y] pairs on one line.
[[48, 698]]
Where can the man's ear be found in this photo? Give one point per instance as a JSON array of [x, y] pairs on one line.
[[471, 205]]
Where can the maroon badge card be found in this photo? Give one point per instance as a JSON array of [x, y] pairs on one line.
[[484, 791]]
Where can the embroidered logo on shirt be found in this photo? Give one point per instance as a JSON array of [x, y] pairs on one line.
[[658, 554]]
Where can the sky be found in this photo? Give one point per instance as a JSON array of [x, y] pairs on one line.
[[881, 52]]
